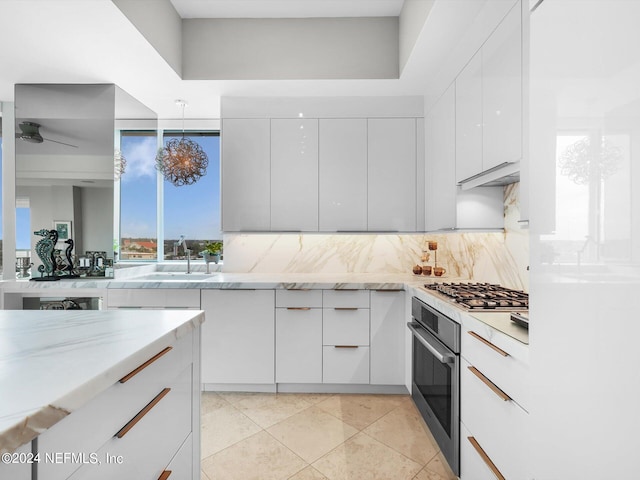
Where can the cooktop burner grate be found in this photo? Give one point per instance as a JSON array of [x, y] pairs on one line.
[[482, 296]]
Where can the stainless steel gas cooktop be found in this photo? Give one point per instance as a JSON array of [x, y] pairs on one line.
[[482, 296]]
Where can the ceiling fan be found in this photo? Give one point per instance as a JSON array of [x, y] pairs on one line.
[[31, 133]]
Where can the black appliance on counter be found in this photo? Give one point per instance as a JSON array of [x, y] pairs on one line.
[[436, 376]]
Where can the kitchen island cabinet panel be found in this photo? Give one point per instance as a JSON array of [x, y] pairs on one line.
[[20, 470], [392, 174], [246, 174], [239, 338], [388, 326], [106, 414], [343, 175], [294, 175]]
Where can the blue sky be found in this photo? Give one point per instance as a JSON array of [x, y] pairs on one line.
[[191, 210]]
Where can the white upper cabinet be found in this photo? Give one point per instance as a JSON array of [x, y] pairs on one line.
[[468, 119], [502, 92], [294, 175], [343, 175], [440, 159], [392, 174], [246, 173]]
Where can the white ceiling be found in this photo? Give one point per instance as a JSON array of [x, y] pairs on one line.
[[91, 41], [286, 8]]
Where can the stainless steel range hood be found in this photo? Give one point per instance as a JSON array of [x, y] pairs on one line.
[[503, 174]]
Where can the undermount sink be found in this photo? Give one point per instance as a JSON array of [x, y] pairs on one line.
[[176, 276]]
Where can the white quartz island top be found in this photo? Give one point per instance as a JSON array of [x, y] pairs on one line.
[[53, 362]]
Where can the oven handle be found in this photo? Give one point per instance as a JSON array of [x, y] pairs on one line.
[[431, 343]]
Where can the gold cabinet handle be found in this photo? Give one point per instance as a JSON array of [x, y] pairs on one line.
[[164, 475], [298, 308], [345, 346], [345, 308], [131, 423], [488, 343], [485, 458], [133, 373], [494, 388]]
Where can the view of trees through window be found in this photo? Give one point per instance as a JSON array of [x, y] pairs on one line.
[[192, 211]]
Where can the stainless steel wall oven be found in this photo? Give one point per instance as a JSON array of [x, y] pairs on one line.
[[436, 376]]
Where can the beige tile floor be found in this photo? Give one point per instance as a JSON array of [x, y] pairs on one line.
[[259, 436]]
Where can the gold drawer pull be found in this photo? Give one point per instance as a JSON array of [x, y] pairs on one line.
[[485, 458], [123, 431], [298, 308], [346, 308], [164, 475], [345, 346], [488, 343], [494, 388], [133, 373]]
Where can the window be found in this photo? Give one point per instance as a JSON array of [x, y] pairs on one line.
[[190, 210]]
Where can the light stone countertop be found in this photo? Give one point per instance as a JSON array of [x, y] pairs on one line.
[[53, 362]]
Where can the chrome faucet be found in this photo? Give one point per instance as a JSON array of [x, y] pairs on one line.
[[187, 252]]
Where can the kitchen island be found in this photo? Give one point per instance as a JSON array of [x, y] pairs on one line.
[[79, 381]]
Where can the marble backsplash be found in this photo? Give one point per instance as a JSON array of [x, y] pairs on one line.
[[497, 257]]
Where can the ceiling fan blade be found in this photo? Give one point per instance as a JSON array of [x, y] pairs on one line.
[[61, 143]]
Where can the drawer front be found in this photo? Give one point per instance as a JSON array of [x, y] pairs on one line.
[[510, 372], [181, 466], [146, 449], [154, 298], [345, 327], [298, 346], [345, 365], [345, 298], [473, 465], [499, 425], [89, 427], [18, 468], [299, 298]]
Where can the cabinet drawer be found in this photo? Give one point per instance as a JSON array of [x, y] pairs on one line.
[[299, 346], [181, 466], [299, 298], [147, 448], [499, 425], [345, 365], [345, 298], [507, 365], [89, 427], [345, 327], [154, 298], [20, 470], [473, 465]]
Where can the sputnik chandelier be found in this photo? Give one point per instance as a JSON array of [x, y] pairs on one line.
[[182, 161]]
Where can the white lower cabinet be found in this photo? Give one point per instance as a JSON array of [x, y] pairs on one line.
[[298, 345], [153, 298], [493, 385], [134, 428], [238, 337], [388, 326], [474, 464], [18, 467], [345, 364], [181, 466]]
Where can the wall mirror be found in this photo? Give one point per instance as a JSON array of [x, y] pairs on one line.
[[65, 149]]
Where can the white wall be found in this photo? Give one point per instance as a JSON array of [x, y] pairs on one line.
[[299, 48], [412, 18]]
